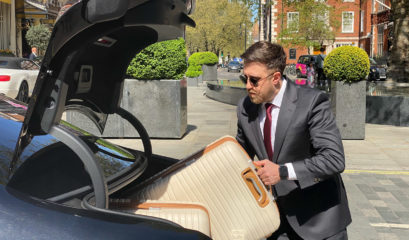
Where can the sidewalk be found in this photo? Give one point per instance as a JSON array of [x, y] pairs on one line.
[[376, 176]]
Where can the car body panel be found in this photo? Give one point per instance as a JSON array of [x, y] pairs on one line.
[[234, 66], [57, 180], [11, 66], [377, 72], [303, 61], [28, 218]]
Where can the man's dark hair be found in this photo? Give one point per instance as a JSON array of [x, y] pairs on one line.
[[270, 54], [322, 49]]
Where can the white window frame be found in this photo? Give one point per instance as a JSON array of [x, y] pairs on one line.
[[340, 44], [348, 0], [380, 7], [352, 22], [288, 19], [380, 36], [362, 20]]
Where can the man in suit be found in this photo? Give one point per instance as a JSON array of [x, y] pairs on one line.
[[33, 53], [292, 131]]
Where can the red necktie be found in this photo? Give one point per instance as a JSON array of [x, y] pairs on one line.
[[267, 131]]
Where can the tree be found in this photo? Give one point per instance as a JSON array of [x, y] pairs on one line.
[[398, 60], [220, 26], [311, 24], [38, 36]]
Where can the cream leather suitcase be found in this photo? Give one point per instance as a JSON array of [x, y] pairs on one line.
[[189, 215], [223, 179]]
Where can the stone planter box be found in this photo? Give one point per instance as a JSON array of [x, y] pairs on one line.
[[225, 94], [209, 72], [194, 81], [348, 102], [387, 110], [160, 105]]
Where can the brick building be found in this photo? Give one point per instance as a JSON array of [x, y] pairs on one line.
[[363, 23]]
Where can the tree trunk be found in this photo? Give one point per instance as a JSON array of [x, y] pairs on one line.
[[398, 70]]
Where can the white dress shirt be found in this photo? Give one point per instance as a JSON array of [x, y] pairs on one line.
[[274, 117]]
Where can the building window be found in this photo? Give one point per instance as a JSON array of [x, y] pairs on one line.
[[347, 22], [5, 25], [292, 20], [362, 20], [380, 40], [349, 0], [343, 44], [380, 6]]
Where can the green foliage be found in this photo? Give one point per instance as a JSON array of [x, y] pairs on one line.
[[203, 58], [221, 25], [38, 36], [314, 26], [347, 63], [162, 60], [194, 71], [197, 60]]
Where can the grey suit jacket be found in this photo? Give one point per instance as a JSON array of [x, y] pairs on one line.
[[315, 204]]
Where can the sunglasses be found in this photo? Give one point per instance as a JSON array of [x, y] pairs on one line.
[[253, 80]]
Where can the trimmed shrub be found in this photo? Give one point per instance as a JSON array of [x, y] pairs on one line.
[[347, 63], [197, 60], [194, 71], [203, 58], [162, 60], [39, 36]]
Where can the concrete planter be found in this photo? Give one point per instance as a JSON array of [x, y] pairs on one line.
[[194, 81], [160, 105], [209, 72], [387, 110], [348, 102], [225, 94]]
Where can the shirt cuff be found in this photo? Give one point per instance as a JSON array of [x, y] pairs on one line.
[[291, 172]]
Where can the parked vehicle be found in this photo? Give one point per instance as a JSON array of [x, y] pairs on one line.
[[302, 63], [377, 72], [17, 77], [234, 66], [56, 180]]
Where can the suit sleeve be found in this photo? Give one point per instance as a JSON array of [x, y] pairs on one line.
[[328, 158], [240, 136]]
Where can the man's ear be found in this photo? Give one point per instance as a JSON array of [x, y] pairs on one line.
[[277, 77]]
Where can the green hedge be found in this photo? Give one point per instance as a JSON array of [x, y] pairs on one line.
[[197, 60], [347, 63], [162, 60]]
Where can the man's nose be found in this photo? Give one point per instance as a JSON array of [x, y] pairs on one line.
[[248, 85]]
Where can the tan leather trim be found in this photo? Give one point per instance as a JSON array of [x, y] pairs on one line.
[[212, 146], [250, 178], [16, 116]]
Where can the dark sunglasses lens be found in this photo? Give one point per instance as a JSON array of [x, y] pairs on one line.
[[243, 78], [253, 81]]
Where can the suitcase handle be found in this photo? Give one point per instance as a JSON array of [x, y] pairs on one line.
[[256, 188]]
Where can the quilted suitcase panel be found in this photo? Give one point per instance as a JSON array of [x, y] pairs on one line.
[[189, 215], [223, 179]]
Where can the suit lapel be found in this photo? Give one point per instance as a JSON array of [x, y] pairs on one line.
[[287, 110], [254, 124]]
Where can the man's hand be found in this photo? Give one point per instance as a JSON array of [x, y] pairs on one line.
[[268, 172]]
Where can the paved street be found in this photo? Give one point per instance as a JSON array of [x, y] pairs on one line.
[[376, 178]]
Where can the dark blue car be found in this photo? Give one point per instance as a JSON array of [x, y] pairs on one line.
[[58, 181]]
